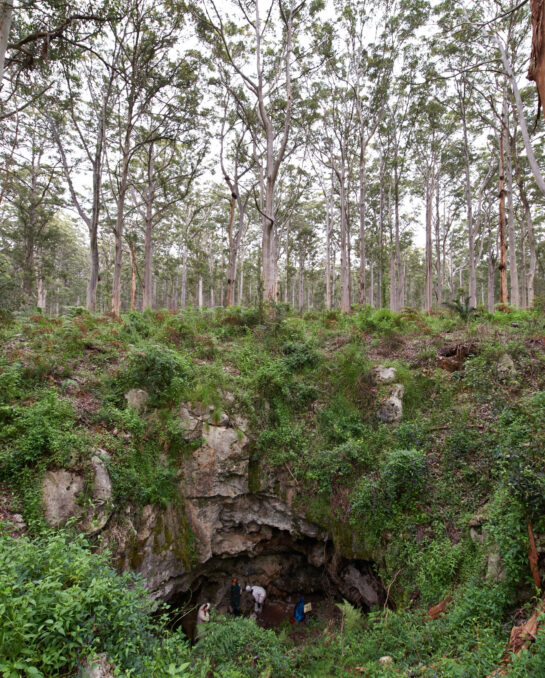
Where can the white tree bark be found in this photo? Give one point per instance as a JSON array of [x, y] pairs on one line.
[[6, 12]]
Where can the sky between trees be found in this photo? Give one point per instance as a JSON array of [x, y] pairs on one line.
[[325, 155]]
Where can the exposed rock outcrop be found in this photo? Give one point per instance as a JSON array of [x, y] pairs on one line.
[[380, 374], [506, 367], [137, 398], [62, 489], [258, 536], [391, 409]]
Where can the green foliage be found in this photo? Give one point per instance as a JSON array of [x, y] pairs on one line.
[[383, 321], [351, 616], [234, 645], [464, 310], [403, 475], [60, 602], [339, 421], [44, 431], [299, 355], [162, 372], [338, 463]]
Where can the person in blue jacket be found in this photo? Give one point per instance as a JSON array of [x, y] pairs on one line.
[[299, 613]]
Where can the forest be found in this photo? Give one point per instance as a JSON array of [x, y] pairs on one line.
[[272, 338], [320, 154]]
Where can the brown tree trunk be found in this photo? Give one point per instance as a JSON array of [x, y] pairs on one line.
[[536, 71], [438, 266]]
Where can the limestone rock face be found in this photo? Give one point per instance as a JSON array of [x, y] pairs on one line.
[[137, 399], [96, 668], [381, 374], [61, 489], [220, 466], [391, 409], [506, 367], [59, 492], [358, 587], [101, 507], [495, 570]]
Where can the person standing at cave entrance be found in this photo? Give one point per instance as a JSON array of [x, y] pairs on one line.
[[235, 597], [299, 612], [259, 594], [203, 614]]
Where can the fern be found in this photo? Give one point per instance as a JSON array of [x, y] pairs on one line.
[[465, 310]]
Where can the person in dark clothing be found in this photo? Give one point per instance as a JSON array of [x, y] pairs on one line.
[[299, 612], [235, 597]]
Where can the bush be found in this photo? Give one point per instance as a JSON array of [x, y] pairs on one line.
[[61, 603], [403, 475], [162, 372], [234, 645], [44, 429], [299, 355]]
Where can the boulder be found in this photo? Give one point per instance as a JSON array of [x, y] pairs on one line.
[[96, 668], [495, 570], [101, 507], [61, 489], [391, 409], [59, 492], [380, 374], [136, 399], [385, 660], [506, 367], [358, 587]]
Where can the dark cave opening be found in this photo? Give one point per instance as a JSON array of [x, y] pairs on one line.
[[287, 566]]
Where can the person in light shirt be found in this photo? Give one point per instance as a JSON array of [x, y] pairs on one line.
[[259, 594]]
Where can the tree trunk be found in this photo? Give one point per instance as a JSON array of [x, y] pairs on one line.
[[429, 250], [536, 71], [345, 271], [469, 199], [6, 11], [148, 230], [529, 231], [491, 273], [199, 294], [301, 278], [380, 235], [132, 250], [398, 292], [502, 265], [438, 266], [522, 120], [513, 264], [119, 226], [362, 206]]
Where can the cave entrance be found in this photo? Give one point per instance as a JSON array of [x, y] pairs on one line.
[[287, 567]]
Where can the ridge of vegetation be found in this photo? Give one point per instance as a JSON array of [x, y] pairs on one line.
[[470, 443]]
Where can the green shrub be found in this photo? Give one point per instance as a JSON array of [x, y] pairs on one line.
[[162, 372], [61, 603], [43, 430], [299, 355], [339, 421], [403, 475], [234, 645]]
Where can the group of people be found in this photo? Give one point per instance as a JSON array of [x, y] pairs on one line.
[[258, 594]]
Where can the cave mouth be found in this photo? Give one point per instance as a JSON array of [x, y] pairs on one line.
[[287, 567]]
